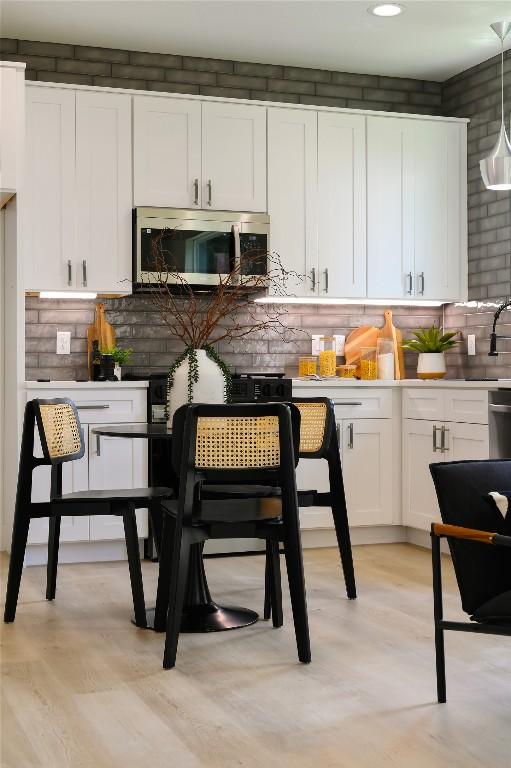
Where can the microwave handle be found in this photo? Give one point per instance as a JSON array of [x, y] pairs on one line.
[[235, 230]]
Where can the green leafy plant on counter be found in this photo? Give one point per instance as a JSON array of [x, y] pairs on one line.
[[431, 340], [120, 355]]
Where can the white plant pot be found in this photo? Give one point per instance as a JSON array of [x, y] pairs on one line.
[[431, 365], [210, 388]]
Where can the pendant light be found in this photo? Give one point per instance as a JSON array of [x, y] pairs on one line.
[[496, 168]]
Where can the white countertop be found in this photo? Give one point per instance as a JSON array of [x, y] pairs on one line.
[[92, 385], [439, 383]]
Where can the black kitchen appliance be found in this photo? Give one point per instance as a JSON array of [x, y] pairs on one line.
[[260, 388]]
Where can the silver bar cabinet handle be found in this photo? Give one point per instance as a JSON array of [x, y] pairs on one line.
[[84, 273], [350, 435], [410, 283], [99, 406], [346, 402], [210, 187], [326, 280], [313, 278], [69, 273], [435, 446], [98, 445], [443, 445], [421, 278], [338, 432], [196, 192]]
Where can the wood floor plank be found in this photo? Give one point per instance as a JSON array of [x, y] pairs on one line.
[[83, 688]]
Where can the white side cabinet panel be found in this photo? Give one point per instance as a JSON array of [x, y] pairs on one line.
[[12, 110], [49, 203], [103, 185], [74, 478], [420, 506], [342, 204], [292, 195], [390, 250], [166, 152], [367, 463], [438, 214], [116, 463], [233, 156]]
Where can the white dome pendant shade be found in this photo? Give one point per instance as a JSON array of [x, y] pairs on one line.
[[496, 168]]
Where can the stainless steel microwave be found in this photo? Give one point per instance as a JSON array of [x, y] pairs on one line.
[[199, 245]]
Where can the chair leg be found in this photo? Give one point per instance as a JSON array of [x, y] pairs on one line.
[[295, 575], [438, 611], [440, 665], [18, 546], [268, 575], [178, 583], [342, 529], [137, 586], [164, 573], [53, 557], [275, 585]]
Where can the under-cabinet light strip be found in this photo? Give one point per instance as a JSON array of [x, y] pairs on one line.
[[67, 295], [341, 302]]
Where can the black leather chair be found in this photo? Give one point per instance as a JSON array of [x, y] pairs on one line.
[[250, 447], [62, 440], [471, 522]]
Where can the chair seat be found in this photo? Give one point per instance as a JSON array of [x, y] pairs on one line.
[[231, 491], [236, 509], [495, 611], [129, 494]]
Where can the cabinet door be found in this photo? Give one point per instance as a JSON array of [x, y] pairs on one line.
[[12, 95], [367, 465], [104, 194], [466, 441], [116, 463], [438, 209], [390, 208], [292, 196], [74, 478], [166, 152], [233, 157], [420, 507], [49, 230], [342, 204]]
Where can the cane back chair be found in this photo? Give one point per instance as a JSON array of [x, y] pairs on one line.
[[62, 440]]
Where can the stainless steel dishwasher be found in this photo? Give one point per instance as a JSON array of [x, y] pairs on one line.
[[499, 422]]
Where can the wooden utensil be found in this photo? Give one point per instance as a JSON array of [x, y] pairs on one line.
[[365, 336], [100, 331], [390, 332]]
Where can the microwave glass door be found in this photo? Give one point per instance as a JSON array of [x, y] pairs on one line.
[[198, 251]]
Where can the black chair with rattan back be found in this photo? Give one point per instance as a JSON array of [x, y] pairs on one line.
[[318, 440], [248, 446], [471, 520], [62, 440]]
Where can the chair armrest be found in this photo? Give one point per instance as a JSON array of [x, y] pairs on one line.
[[470, 534]]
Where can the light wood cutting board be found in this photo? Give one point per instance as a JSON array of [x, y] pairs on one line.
[[100, 331], [389, 331], [365, 336]]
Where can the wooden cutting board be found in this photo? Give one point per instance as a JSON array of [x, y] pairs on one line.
[[365, 336], [390, 332], [100, 331]]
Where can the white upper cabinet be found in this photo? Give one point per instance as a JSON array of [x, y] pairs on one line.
[[12, 110], [233, 156], [167, 152], [342, 205], [103, 191], [416, 219], [390, 257], [292, 196], [48, 203]]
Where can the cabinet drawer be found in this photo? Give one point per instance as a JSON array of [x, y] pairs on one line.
[[468, 406], [365, 404], [106, 407], [421, 403]]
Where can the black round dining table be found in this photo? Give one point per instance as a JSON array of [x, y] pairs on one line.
[[201, 613]]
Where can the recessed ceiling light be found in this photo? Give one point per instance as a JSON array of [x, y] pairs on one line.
[[386, 9]]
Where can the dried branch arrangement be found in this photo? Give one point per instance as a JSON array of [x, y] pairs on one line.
[[227, 311]]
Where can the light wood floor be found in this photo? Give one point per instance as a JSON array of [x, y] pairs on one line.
[[84, 688]]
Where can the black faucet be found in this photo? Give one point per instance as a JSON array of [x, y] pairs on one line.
[[506, 304]]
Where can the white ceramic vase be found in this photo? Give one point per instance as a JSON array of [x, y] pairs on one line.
[[210, 387], [431, 365]]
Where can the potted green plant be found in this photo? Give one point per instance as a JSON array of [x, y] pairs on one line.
[[430, 344], [121, 356]]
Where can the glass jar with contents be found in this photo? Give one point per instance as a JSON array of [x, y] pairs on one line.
[[307, 366], [347, 371], [327, 357], [385, 359], [368, 363]]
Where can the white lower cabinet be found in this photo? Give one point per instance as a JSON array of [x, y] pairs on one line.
[[428, 442], [116, 463]]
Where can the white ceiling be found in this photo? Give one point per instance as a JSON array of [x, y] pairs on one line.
[[431, 40]]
